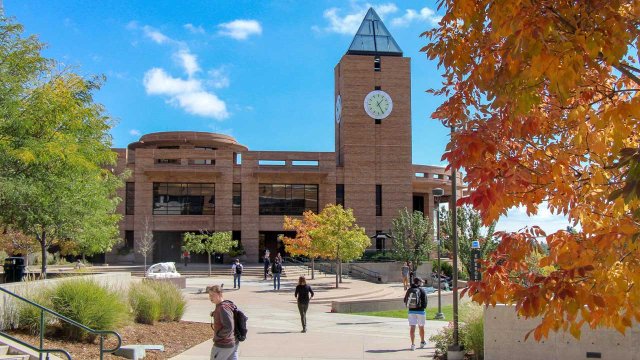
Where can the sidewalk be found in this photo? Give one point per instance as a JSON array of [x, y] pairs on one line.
[[274, 322]]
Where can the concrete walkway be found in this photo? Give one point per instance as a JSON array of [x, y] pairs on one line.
[[274, 322]]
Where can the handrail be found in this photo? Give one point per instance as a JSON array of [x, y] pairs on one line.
[[43, 309], [365, 271], [40, 351]]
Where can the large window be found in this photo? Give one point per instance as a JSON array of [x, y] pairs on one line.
[[340, 194], [378, 200], [129, 198], [184, 199], [237, 199], [288, 199]]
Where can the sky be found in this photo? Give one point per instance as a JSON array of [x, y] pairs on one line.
[[260, 71]]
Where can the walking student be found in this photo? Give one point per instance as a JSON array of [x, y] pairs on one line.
[[416, 300], [267, 265], [236, 269], [225, 346], [303, 294], [405, 275], [276, 269]]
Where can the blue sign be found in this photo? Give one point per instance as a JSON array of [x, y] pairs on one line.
[[475, 244]]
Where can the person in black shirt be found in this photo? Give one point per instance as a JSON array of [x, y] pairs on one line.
[[302, 294]]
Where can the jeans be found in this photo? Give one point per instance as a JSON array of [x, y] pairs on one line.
[[218, 353], [236, 277], [303, 314], [276, 276]]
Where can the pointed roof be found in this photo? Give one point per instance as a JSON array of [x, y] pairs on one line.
[[373, 38]]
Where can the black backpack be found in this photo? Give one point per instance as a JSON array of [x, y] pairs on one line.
[[239, 323], [276, 268], [239, 269], [414, 300]]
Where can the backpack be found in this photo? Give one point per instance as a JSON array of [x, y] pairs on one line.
[[414, 301], [276, 268], [239, 323], [239, 269]]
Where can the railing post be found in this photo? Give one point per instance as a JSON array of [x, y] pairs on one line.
[[101, 347], [41, 333]]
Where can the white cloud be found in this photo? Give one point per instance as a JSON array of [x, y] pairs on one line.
[[517, 219], [188, 61], [218, 78], [134, 132], [410, 15], [240, 29], [349, 23], [155, 35], [194, 29], [186, 94]]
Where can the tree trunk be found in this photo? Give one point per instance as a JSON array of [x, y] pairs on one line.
[[209, 257], [313, 267], [340, 267], [145, 264], [43, 249], [337, 272]]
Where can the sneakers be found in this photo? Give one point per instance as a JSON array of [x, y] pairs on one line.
[[413, 347], [423, 344]]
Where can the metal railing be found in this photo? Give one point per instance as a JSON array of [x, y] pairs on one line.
[[352, 270], [41, 350]]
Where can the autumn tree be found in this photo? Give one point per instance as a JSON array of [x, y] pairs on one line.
[[470, 229], [412, 237], [303, 244], [338, 237], [14, 242], [209, 243], [56, 150], [146, 244], [544, 98]]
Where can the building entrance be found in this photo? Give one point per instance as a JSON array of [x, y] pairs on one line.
[[271, 240], [168, 247]]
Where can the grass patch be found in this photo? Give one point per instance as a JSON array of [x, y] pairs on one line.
[[447, 310]]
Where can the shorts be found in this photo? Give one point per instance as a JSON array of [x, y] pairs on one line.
[[416, 319]]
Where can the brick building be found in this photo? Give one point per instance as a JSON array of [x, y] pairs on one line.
[[190, 181]]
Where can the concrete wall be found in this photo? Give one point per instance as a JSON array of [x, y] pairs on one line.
[[504, 336], [352, 306], [392, 271]]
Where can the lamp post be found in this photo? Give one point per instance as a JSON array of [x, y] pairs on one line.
[[455, 349], [437, 193]]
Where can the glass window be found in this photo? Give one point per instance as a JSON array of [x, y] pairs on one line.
[[237, 199], [340, 194], [128, 239], [183, 199], [129, 198], [287, 199], [378, 200], [203, 161]]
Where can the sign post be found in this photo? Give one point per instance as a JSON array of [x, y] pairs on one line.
[[476, 255]]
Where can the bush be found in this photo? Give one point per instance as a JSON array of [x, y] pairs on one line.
[[29, 315], [447, 268], [442, 339], [470, 331], [172, 302], [3, 255], [145, 303], [90, 304]]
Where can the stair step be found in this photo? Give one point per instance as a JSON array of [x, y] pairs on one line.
[[4, 349], [14, 357]]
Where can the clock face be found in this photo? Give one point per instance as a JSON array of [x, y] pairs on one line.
[[378, 104], [338, 109]]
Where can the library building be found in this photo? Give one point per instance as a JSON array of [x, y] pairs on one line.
[[183, 181]]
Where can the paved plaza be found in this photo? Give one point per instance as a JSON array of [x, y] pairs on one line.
[[274, 322]]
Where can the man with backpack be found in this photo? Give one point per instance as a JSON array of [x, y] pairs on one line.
[[225, 341], [416, 300], [276, 269], [236, 269]]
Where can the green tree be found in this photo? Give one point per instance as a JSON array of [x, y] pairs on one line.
[[469, 229], [338, 236], [209, 243], [412, 237], [56, 150]]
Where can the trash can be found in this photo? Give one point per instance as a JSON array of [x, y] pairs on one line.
[[13, 269]]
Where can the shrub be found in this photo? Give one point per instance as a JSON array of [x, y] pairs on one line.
[[447, 268], [442, 339], [145, 303], [470, 331], [90, 304], [172, 302], [3, 255], [29, 315]]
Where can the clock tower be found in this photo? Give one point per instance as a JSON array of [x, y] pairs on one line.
[[373, 126]]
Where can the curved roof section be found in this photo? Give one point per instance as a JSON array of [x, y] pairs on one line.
[[196, 138], [373, 38]]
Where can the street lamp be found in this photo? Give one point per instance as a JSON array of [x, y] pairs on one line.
[[437, 193], [455, 349]]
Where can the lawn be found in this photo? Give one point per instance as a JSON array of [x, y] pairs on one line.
[[402, 314]]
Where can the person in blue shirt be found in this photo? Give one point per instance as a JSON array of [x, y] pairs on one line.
[[416, 300]]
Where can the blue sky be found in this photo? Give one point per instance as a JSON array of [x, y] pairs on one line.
[[260, 71]]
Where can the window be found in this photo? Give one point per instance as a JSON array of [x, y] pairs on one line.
[[237, 158], [203, 162], [377, 88], [128, 239], [418, 203], [206, 148], [340, 194], [129, 198], [380, 241], [378, 200], [237, 199], [167, 161], [376, 63], [287, 199], [183, 199], [168, 147]]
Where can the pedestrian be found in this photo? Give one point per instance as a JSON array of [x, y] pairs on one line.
[[411, 272], [236, 269], [225, 345], [416, 300], [405, 275], [186, 257], [276, 269], [267, 265], [303, 294], [279, 258]]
